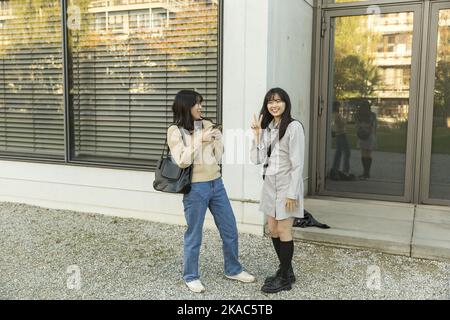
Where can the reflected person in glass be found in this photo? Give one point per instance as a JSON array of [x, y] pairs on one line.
[[338, 125], [366, 129]]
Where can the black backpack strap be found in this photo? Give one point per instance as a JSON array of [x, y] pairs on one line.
[[269, 153], [269, 149]]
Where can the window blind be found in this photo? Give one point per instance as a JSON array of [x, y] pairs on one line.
[[128, 60], [31, 79]]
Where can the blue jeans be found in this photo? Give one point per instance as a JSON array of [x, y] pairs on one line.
[[212, 195], [342, 148]]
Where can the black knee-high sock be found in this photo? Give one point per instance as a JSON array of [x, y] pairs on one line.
[[286, 253], [368, 162], [363, 161], [276, 245]]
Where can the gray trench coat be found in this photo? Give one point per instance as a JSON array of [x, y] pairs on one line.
[[284, 173]]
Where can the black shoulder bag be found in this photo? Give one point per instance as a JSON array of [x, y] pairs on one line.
[[169, 177]]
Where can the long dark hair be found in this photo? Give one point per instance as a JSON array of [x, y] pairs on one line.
[[285, 117], [363, 113], [181, 107]]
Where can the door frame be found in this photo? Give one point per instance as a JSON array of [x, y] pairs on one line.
[[321, 112], [428, 100]]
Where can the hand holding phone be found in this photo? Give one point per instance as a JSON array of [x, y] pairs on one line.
[[217, 131]]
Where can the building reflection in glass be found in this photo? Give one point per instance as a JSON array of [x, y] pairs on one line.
[[440, 147], [371, 70]]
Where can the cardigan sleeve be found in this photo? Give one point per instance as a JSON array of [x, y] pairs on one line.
[[183, 154], [218, 149]]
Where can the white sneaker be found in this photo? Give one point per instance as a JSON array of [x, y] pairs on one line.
[[243, 277], [195, 286]]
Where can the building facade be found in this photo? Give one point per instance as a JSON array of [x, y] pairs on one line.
[[86, 87]]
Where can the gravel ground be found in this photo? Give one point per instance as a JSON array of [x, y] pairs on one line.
[[43, 250]]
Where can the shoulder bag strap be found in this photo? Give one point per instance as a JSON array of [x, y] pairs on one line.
[[183, 135], [166, 145], [269, 153], [271, 146]]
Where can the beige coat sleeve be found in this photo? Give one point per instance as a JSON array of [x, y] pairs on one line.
[[218, 150], [183, 154]]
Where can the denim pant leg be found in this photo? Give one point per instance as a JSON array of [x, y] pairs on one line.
[[225, 221], [346, 151], [337, 156], [195, 205]]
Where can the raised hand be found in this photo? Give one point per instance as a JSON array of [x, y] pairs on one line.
[[256, 126], [208, 134]]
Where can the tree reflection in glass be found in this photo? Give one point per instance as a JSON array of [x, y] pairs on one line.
[[440, 158], [370, 70]]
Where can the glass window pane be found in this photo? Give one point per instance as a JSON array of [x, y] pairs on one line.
[[440, 149], [369, 87], [342, 1], [31, 79], [350, 2], [128, 60]]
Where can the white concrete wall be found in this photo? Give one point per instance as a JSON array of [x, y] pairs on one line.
[[289, 58], [244, 85], [128, 193], [254, 60]]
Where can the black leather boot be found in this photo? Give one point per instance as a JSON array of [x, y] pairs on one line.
[[365, 174], [369, 164], [279, 283], [290, 276]]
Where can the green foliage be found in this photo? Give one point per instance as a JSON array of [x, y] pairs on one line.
[[355, 74], [354, 77], [442, 94]]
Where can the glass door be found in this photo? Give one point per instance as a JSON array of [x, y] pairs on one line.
[[368, 103], [436, 169]]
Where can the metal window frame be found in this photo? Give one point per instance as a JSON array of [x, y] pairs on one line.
[[428, 100], [24, 157], [422, 163], [368, 3], [320, 83], [316, 71], [68, 118], [66, 84]]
